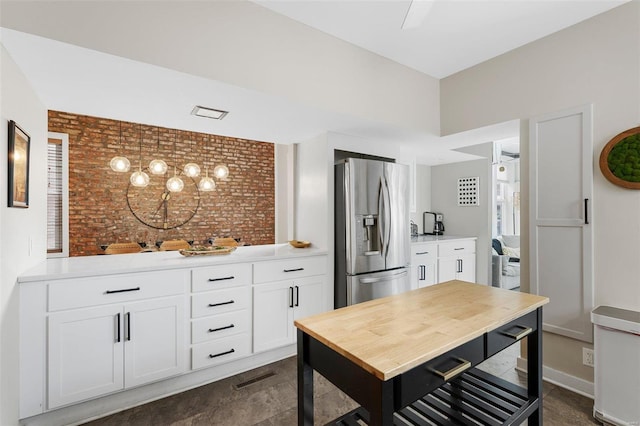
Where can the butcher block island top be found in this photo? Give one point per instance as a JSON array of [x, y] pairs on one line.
[[390, 336]]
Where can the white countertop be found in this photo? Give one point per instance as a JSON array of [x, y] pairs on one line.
[[424, 238], [86, 266]]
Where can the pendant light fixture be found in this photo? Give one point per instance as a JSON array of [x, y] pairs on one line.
[[206, 183], [175, 184], [139, 178], [191, 169], [158, 167], [221, 171], [120, 163]]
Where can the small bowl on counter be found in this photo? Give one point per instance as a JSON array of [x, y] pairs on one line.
[[299, 243]]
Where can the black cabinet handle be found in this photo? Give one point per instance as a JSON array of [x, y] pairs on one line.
[[118, 327], [459, 266], [297, 296], [291, 297], [222, 353], [459, 248], [122, 291], [422, 252], [213, 330], [586, 211], [221, 279], [127, 319], [423, 273], [213, 305], [294, 270]]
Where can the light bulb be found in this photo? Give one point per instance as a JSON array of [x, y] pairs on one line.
[[175, 184], [206, 184], [191, 170], [139, 179], [221, 172], [120, 164], [158, 167]]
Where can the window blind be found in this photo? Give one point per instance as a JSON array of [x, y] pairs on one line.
[[54, 196]]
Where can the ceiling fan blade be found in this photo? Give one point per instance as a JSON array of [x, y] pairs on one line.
[[417, 12]]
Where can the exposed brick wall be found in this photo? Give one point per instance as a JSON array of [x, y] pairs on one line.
[[241, 206]]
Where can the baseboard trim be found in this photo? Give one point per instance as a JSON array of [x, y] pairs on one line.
[[559, 378]]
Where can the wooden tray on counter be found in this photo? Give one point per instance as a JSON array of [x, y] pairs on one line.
[[206, 251]]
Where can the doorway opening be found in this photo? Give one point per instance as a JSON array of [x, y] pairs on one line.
[[505, 222]]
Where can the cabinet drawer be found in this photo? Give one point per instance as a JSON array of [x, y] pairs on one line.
[[279, 270], [510, 333], [221, 301], [223, 276], [423, 252], [456, 248], [223, 325], [91, 291], [220, 351], [423, 379]]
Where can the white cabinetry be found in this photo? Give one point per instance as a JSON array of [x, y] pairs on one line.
[[424, 264], [101, 349], [220, 314], [457, 260], [284, 291]]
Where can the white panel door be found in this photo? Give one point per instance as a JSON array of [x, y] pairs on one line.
[[272, 315], [85, 354], [154, 343], [561, 187]]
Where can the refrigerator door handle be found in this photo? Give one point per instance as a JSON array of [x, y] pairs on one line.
[[387, 216], [387, 278], [381, 215]]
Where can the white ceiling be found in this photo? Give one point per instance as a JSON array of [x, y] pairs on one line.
[[455, 35]]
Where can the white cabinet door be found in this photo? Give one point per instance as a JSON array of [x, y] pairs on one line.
[[272, 315], [309, 296], [447, 269], [85, 354], [426, 274], [154, 340], [467, 268], [561, 231]]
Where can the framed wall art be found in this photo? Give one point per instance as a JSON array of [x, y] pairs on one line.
[[19, 144]]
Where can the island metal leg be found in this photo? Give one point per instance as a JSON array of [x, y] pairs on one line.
[[534, 369], [305, 382]]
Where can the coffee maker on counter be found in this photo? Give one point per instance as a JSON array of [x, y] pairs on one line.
[[432, 221]]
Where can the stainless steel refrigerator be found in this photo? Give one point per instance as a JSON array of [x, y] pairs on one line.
[[372, 234]]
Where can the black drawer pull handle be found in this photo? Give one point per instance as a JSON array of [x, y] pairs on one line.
[[222, 353], [118, 329], [122, 291], [221, 279], [294, 270], [422, 252], [459, 248], [213, 305], [213, 330], [517, 336], [447, 375]]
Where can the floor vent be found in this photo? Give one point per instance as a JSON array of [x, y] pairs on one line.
[[254, 380]]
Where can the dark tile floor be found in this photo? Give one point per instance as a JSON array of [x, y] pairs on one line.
[[272, 401]]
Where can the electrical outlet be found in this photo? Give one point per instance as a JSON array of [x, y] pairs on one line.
[[587, 356]]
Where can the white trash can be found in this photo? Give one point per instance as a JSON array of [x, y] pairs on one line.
[[617, 365]]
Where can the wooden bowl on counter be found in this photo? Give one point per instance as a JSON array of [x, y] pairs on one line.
[[225, 242], [299, 243]]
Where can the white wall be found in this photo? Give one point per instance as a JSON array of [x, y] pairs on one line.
[[243, 44], [22, 231], [423, 195], [466, 221], [595, 61]]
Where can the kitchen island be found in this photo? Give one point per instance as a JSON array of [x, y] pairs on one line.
[[410, 357]]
